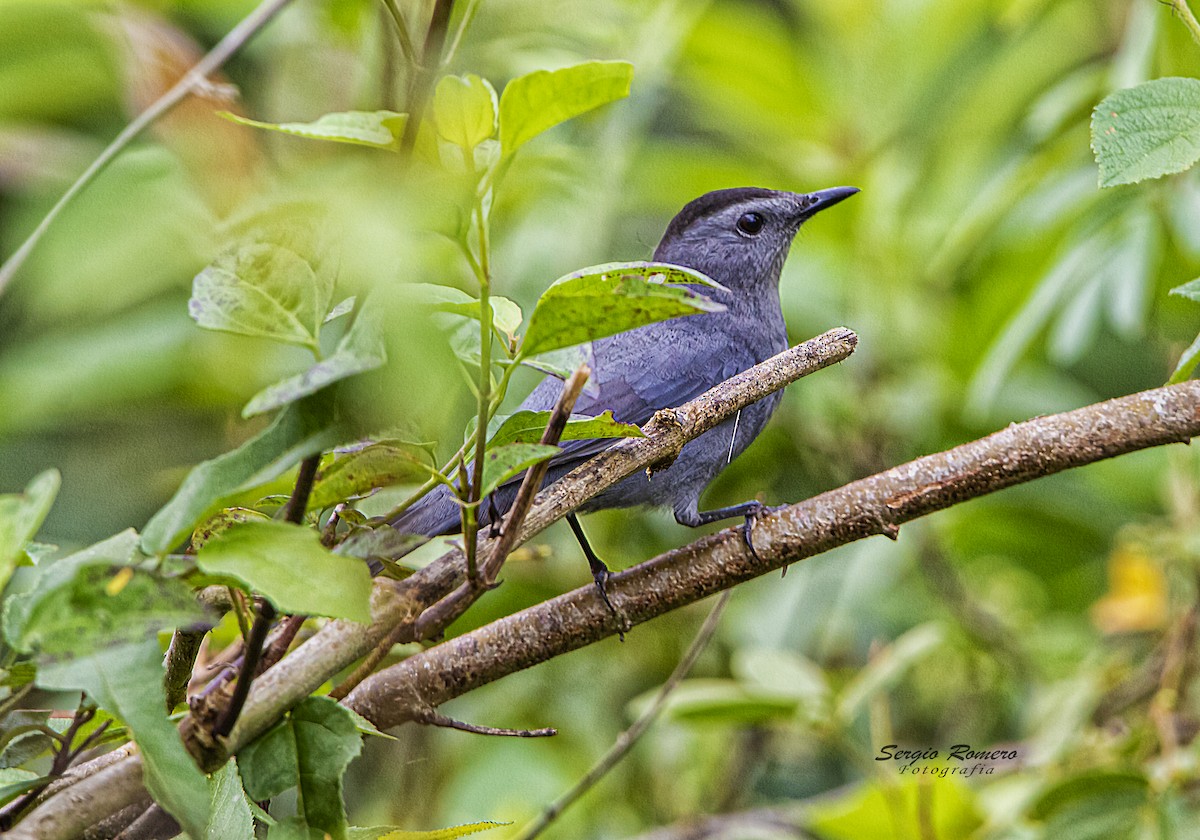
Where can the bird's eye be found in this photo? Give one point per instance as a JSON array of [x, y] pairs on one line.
[[750, 223]]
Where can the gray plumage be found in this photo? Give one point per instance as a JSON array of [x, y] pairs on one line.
[[740, 238]]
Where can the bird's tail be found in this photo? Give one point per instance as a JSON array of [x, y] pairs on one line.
[[434, 515]]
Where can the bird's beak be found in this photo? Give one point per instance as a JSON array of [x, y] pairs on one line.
[[815, 202]]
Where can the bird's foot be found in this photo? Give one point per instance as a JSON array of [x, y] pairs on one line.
[[600, 575], [753, 514]]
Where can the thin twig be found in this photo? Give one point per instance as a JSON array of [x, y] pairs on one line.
[[254, 646], [626, 740], [293, 512], [64, 755], [431, 55], [433, 718], [406, 44], [442, 614], [195, 78], [1181, 8], [297, 503]]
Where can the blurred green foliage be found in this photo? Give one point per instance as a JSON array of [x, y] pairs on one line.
[[988, 276]]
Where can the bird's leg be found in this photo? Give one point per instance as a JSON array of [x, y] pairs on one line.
[[600, 574], [493, 517], [751, 510]]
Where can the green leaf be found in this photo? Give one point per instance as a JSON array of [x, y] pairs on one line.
[[1189, 290], [14, 782], [300, 430], [127, 681], [265, 290], [21, 514], [23, 737], [533, 103], [564, 361], [388, 832], [723, 701], [96, 599], [1187, 363], [506, 314], [464, 110], [607, 299], [878, 808], [230, 817], [221, 522], [1094, 806], [377, 129], [340, 309], [289, 566], [503, 462], [527, 427], [786, 674], [887, 668], [360, 350], [380, 464], [1147, 131], [311, 750], [293, 828]]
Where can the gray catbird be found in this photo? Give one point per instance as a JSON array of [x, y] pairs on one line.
[[740, 238]]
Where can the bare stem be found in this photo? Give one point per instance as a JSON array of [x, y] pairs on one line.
[[630, 736], [433, 718]]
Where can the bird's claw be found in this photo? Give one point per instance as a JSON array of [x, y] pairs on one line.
[[752, 517], [601, 577]]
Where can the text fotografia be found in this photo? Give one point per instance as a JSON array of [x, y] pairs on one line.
[[959, 760]]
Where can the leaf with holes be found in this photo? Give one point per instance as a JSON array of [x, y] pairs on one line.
[[607, 299]]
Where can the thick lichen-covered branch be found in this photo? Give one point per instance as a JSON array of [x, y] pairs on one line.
[[879, 504]]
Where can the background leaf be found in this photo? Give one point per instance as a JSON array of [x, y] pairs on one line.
[[127, 681], [265, 290], [299, 431], [532, 103], [21, 514], [464, 108], [360, 350], [377, 129]]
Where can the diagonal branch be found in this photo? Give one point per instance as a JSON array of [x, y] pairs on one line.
[[875, 505], [395, 603]]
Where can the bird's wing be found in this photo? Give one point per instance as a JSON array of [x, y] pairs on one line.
[[634, 388], [623, 381]]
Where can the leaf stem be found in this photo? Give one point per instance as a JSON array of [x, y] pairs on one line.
[[1184, 11], [406, 44], [484, 393]]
